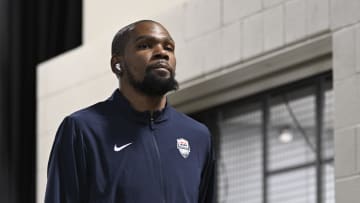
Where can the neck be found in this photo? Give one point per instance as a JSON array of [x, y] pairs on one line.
[[140, 101]]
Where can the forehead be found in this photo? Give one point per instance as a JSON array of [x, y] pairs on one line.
[[149, 29]]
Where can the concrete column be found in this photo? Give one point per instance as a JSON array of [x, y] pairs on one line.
[[346, 49]]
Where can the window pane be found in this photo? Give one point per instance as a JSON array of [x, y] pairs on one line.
[[240, 160], [298, 186], [328, 135], [291, 138], [328, 148], [329, 183], [291, 162]]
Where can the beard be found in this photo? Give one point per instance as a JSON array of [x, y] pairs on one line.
[[152, 85]]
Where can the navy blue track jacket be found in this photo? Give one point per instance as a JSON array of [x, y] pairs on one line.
[[110, 153]]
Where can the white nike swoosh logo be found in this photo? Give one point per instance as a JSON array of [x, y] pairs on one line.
[[117, 149]]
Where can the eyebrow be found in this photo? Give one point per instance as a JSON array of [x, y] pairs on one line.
[[142, 37]]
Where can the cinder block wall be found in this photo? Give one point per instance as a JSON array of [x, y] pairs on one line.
[[211, 36], [345, 26], [215, 34]]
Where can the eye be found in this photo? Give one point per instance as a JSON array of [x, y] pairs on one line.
[[143, 46], [169, 48]]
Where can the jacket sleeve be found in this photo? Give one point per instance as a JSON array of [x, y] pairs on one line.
[[66, 179], [207, 185]]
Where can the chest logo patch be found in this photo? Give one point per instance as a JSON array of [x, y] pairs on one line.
[[183, 146]]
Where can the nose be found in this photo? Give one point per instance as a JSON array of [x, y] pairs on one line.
[[160, 52]]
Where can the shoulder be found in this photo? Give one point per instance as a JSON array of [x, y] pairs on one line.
[[90, 115], [80, 123], [186, 121]]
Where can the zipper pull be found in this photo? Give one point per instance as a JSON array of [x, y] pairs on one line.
[[151, 120]]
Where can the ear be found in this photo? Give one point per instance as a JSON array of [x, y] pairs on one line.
[[115, 60]]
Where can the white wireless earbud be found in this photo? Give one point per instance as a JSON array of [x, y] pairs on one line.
[[118, 66]]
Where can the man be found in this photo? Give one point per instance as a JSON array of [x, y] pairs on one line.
[[133, 147]]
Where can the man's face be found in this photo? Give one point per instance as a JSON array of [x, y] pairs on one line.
[[149, 60]]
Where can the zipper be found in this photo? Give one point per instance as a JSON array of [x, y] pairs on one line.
[[162, 185]]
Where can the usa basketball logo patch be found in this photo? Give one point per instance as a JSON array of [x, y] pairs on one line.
[[184, 147]]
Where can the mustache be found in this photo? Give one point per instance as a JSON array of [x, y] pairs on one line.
[[160, 64]]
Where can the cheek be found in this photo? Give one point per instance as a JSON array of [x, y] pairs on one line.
[[137, 64], [139, 58], [173, 62]]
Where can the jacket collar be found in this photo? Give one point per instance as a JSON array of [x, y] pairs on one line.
[[121, 103]]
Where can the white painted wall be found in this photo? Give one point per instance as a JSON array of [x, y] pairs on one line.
[[105, 18], [211, 36]]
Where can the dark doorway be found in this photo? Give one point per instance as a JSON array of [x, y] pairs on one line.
[[30, 32]]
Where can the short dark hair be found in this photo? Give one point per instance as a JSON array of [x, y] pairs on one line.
[[122, 36]]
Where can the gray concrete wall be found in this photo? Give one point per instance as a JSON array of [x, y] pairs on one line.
[[218, 34], [346, 66]]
